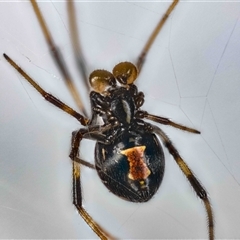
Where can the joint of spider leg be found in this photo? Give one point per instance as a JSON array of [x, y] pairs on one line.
[[81, 119], [98, 111], [99, 102], [101, 112], [74, 153], [76, 139], [140, 124], [148, 127], [113, 120], [139, 99], [140, 114], [133, 90], [109, 139], [171, 149], [201, 192]]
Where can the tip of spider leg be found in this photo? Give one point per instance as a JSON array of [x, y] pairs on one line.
[[6, 56]]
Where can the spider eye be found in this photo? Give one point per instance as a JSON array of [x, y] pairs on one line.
[[100, 80], [125, 72]]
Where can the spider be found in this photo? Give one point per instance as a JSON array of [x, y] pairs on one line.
[[129, 157]]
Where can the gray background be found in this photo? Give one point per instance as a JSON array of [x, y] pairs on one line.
[[192, 75]]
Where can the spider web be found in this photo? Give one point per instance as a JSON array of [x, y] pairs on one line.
[[191, 76]]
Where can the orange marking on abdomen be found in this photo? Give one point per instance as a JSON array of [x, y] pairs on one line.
[[138, 167]]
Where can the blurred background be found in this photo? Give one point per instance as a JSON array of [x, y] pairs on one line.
[[191, 75]]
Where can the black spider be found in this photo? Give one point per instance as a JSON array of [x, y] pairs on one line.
[[129, 158]]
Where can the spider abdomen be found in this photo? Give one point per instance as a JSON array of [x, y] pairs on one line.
[[132, 167]]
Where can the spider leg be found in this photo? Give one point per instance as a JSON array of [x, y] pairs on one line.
[[49, 97], [198, 188], [165, 121], [59, 61], [77, 136], [76, 43], [153, 36], [93, 133], [85, 163], [77, 201]]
